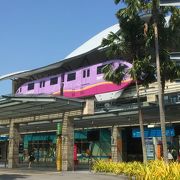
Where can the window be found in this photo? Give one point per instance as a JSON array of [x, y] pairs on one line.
[[19, 90], [71, 77], [53, 80], [99, 69], [88, 72], [42, 84], [30, 86], [84, 73], [62, 77]]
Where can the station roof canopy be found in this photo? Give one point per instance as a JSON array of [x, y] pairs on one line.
[[92, 57], [31, 105], [88, 53], [175, 56]]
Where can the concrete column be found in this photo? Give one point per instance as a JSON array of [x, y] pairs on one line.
[[14, 86], [14, 139], [89, 107], [67, 143], [116, 144]]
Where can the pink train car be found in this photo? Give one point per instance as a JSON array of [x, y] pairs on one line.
[[80, 83]]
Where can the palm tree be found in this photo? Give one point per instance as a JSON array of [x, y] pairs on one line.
[[139, 48], [128, 42], [166, 69]]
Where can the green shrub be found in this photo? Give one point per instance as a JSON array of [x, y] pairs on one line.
[[153, 170]]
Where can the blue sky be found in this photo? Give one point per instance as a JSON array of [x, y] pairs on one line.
[[35, 33]]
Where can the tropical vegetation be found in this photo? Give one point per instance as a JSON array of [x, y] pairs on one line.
[[152, 170], [138, 43]]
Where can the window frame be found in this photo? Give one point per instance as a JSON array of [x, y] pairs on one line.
[[88, 72], [42, 84], [30, 86], [71, 76], [99, 69], [53, 81], [84, 73]]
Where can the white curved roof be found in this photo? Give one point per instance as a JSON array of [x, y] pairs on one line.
[[13, 74], [91, 44], [94, 42]]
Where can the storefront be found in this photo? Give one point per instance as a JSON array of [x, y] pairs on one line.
[[89, 145], [3, 150], [92, 144], [153, 141], [43, 146]]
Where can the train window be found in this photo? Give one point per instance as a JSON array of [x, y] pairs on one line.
[[62, 77], [88, 72], [53, 80], [84, 73], [30, 86], [99, 69], [42, 84], [71, 77], [20, 89]]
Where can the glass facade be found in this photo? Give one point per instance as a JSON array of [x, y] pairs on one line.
[[94, 144]]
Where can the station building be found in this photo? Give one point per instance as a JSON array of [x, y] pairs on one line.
[[89, 129]]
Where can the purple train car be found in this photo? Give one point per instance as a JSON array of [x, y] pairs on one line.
[[83, 82]]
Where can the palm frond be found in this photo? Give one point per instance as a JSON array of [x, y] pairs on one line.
[[115, 75], [117, 1]]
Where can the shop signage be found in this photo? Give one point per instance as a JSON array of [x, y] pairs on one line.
[[149, 148], [59, 128], [3, 138], [152, 132]]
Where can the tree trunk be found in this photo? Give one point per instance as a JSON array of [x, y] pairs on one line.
[[160, 94], [141, 124]]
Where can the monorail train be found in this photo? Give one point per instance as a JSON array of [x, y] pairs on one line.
[[83, 82]]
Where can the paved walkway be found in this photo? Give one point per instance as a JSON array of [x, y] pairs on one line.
[[32, 174]]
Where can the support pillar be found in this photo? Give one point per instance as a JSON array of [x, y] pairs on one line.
[[89, 107], [14, 139], [67, 143], [116, 144], [14, 86]]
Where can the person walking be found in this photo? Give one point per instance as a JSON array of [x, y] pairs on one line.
[[170, 156], [174, 154], [31, 158]]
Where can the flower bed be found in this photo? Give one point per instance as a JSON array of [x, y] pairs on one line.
[[153, 170]]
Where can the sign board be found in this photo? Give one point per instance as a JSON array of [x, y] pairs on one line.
[[59, 128], [75, 152], [152, 132], [169, 2], [4, 138], [150, 149]]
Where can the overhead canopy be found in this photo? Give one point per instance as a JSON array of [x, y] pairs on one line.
[[95, 41], [93, 57], [28, 105], [175, 56], [129, 117], [14, 107]]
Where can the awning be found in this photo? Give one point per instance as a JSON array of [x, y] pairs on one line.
[[32, 105]]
